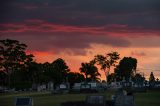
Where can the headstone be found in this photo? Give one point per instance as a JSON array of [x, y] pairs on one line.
[[34, 87], [124, 100], [39, 88], [50, 86], [113, 97], [44, 87], [104, 85], [95, 100], [85, 88], [23, 101], [94, 86], [63, 86], [76, 87]]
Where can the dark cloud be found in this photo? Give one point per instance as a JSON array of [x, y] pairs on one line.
[[75, 44], [35, 25], [74, 25], [138, 13]]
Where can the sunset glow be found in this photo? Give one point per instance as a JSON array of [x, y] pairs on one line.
[[77, 30]]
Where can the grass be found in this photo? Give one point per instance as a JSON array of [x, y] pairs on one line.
[[151, 98]]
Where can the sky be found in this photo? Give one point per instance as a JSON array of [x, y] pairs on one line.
[[77, 30]]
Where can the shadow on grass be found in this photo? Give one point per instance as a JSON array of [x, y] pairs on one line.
[[82, 103]]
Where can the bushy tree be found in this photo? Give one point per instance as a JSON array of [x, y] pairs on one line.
[[90, 71], [74, 77], [13, 57], [126, 68], [36, 73], [56, 71]]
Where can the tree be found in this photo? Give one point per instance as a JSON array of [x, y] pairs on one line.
[[13, 57], [138, 79], [126, 68], [90, 71], [111, 78], [36, 72], [3, 77], [74, 77], [151, 80], [61, 69], [106, 62]]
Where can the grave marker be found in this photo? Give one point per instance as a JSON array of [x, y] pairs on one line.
[[95, 100], [23, 101], [85, 88], [124, 100]]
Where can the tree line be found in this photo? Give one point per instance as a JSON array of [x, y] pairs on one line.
[[19, 70]]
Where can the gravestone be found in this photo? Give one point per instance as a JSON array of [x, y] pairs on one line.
[[23, 101], [50, 86], [41, 88], [95, 100], [34, 87], [86, 88], [76, 87], [62, 88], [95, 87], [124, 100]]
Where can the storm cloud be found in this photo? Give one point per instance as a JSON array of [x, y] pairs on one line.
[[59, 25], [138, 13]]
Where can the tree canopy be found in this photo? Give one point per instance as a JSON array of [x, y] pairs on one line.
[[13, 57], [126, 68], [107, 61], [90, 71]]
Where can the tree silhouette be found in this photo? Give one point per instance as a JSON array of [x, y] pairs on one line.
[[36, 73], [90, 71], [107, 61], [61, 68], [151, 80], [13, 57], [74, 77], [126, 68], [111, 78], [138, 79]]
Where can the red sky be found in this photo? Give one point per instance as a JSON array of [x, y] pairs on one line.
[[76, 30]]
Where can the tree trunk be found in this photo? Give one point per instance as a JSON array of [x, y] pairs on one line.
[[86, 77], [107, 73]]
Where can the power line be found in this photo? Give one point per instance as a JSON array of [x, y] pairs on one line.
[[148, 69]]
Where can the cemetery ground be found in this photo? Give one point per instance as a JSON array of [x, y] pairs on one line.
[[150, 98]]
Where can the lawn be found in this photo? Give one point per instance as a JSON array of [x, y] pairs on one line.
[[151, 98]]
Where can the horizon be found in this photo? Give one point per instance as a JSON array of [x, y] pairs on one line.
[[77, 30]]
